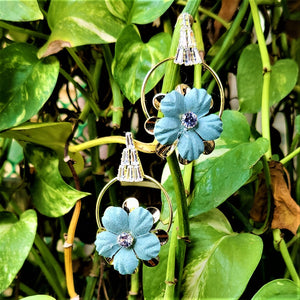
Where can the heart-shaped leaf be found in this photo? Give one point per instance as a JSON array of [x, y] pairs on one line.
[[278, 289], [19, 11], [133, 60], [50, 194], [75, 23], [16, 239], [234, 154], [26, 83], [219, 262], [284, 76], [138, 11], [50, 135]]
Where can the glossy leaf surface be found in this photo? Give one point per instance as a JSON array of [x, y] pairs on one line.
[[50, 135], [278, 289], [138, 11], [133, 60], [39, 297], [16, 239], [154, 278], [234, 154], [50, 194], [219, 262], [75, 23], [26, 83], [19, 11], [250, 79]]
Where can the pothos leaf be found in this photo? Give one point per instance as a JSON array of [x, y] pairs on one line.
[[26, 83], [16, 239], [50, 135], [234, 154], [250, 79], [278, 289], [138, 11], [219, 261], [50, 194], [75, 23], [133, 59], [19, 11]]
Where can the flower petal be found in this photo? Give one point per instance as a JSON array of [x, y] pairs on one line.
[[197, 101], [166, 130], [172, 105], [190, 145], [147, 246], [115, 219], [140, 221], [209, 127], [125, 261], [106, 244]]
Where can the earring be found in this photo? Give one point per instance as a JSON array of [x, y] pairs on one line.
[[127, 234], [187, 123]]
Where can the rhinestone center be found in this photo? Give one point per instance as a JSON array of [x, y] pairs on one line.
[[125, 239], [189, 120]]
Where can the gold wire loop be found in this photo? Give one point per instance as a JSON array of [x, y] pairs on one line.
[[149, 178], [212, 72]]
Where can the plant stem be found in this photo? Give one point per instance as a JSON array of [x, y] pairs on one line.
[[290, 156], [227, 43], [117, 108], [84, 93], [134, 288], [50, 261], [209, 14], [27, 290], [281, 245], [143, 147], [170, 273], [265, 110], [23, 30], [57, 289]]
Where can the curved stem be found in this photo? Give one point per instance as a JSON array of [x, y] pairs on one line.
[[280, 244], [143, 147]]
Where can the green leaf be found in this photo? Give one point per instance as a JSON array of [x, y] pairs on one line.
[[133, 59], [231, 167], [16, 239], [231, 163], [154, 277], [284, 76], [50, 194], [278, 289], [297, 124], [20, 10], [26, 83], [138, 11], [39, 297], [50, 135], [76, 23], [219, 262]]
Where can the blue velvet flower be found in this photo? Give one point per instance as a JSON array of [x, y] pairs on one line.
[[186, 120], [127, 238]]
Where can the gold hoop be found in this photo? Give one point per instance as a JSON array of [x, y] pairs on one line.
[[212, 72], [154, 181]]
